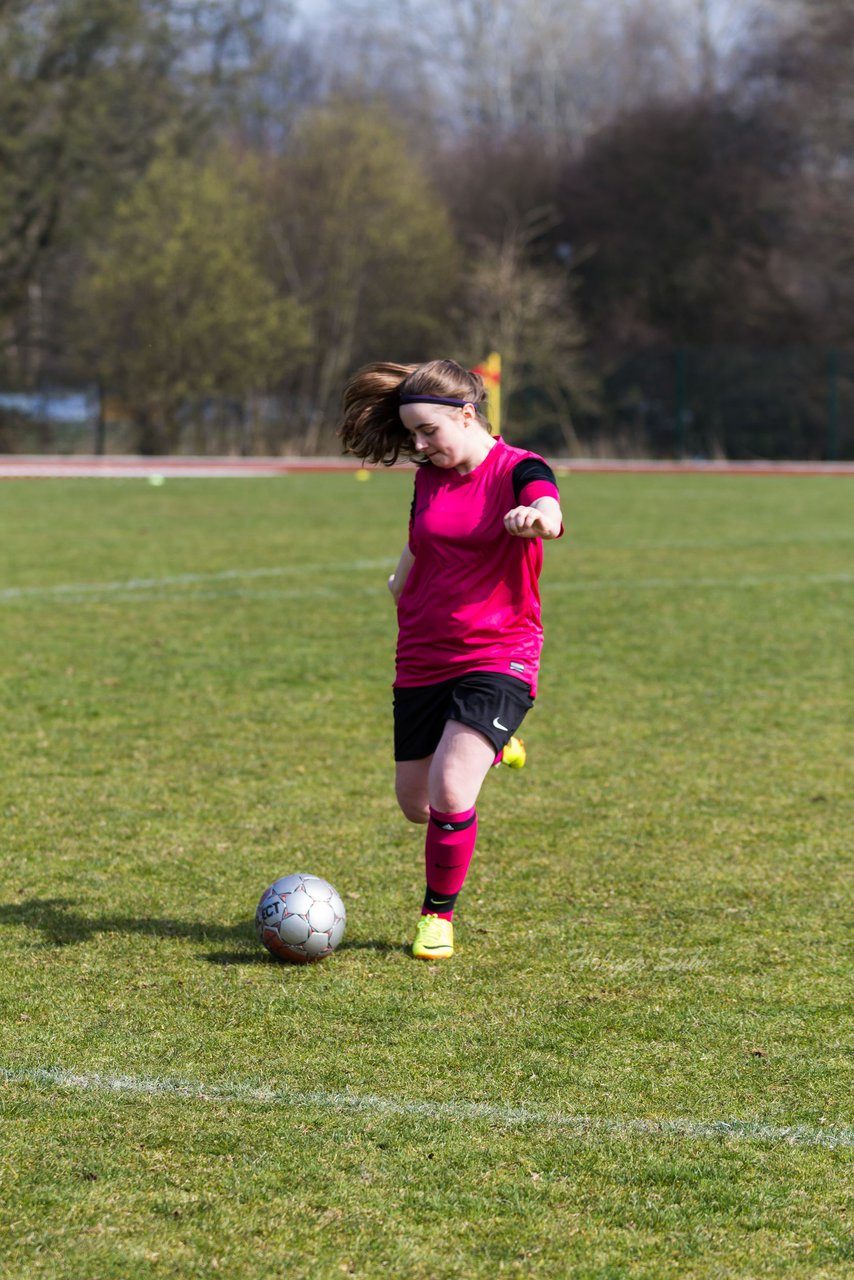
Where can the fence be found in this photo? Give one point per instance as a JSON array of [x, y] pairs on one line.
[[732, 403], [740, 404]]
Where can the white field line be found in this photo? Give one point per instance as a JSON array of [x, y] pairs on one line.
[[132, 585], [472, 1112], [792, 582], [790, 539], [170, 587], [701, 584]]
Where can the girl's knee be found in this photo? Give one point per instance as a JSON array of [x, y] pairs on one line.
[[414, 813], [413, 810], [410, 787]]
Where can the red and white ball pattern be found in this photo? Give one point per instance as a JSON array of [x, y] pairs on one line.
[[300, 918]]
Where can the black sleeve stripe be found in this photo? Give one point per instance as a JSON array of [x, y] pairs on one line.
[[531, 469]]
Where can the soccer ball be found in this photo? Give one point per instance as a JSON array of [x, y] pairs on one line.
[[300, 918]]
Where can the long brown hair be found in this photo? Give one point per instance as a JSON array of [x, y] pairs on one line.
[[371, 428]]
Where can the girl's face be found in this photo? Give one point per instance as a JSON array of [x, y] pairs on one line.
[[447, 436]]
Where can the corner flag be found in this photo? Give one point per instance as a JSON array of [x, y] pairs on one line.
[[490, 371]]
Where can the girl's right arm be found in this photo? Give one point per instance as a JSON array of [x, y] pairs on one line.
[[397, 581]]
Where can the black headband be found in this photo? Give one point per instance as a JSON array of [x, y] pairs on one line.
[[416, 399]]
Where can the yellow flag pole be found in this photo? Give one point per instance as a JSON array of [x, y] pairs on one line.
[[490, 371]]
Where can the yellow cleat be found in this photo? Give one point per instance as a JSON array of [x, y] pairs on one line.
[[515, 754], [434, 939]]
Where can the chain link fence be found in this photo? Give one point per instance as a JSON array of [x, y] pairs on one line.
[[737, 404], [723, 403]]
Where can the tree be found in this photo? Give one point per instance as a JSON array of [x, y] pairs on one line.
[[682, 209], [528, 314], [805, 73], [358, 235], [492, 185], [175, 307], [87, 89], [806, 69], [551, 70]]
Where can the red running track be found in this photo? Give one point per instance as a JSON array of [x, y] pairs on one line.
[[133, 467]]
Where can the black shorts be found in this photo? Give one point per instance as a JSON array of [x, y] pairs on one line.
[[492, 703]]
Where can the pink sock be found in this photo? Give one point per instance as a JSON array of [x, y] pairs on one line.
[[448, 851]]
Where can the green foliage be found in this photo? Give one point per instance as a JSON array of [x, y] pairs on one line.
[[361, 238], [707, 209], [194, 698], [528, 313], [86, 86], [175, 305]]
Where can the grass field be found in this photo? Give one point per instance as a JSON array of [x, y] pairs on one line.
[[635, 1066]]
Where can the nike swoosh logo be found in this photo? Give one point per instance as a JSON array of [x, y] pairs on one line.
[[499, 725]]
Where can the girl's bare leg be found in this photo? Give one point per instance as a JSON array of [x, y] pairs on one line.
[[411, 788], [461, 761], [450, 779]]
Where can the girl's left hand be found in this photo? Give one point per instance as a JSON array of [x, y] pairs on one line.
[[530, 522]]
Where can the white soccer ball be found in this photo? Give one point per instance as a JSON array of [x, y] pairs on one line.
[[300, 918]]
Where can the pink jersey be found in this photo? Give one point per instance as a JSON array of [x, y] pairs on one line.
[[471, 601]]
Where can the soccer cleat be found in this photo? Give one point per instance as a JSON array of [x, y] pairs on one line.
[[514, 754], [434, 939]]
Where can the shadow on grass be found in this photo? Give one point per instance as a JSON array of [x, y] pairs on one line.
[[60, 925], [260, 956]]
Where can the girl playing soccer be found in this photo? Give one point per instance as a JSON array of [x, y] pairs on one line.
[[468, 607]]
